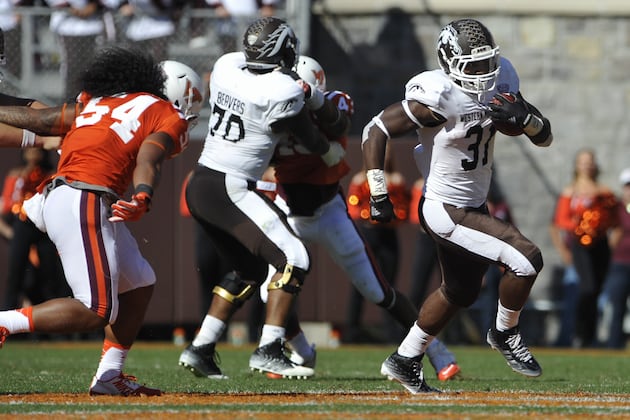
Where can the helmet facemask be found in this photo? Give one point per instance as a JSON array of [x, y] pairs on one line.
[[468, 54], [183, 88]]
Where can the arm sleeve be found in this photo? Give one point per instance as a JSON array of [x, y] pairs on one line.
[[563, 217]]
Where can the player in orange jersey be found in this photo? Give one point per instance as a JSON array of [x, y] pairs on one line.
[[118, 133]]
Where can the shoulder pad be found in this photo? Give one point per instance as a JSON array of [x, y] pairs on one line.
[[428, 87], [288, 96], [508, 80], [234, 59], [343, 101]]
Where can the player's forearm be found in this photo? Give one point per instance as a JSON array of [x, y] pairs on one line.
[[41, 121], [334, 122], [538, 128]]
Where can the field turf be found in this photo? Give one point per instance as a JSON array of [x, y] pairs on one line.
[[50, 380]]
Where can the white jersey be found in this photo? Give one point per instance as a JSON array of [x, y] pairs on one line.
[[240, 140], [456, 157]]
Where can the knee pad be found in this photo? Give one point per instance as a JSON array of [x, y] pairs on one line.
[[233, 289], [389, 300], [289, 272]]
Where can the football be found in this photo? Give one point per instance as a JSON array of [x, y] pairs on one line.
[[506, 127]]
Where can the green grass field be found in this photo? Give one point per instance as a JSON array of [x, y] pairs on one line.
[[28, 369]]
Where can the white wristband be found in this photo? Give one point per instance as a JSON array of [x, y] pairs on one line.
[[376, 181], [28, 138], [532, 125]]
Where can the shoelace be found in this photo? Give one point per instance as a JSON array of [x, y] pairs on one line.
[[126, 384], [519, 348], [418, 375]]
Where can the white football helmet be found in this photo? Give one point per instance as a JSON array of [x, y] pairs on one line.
[[183, 88], [311, 71], [467, 53]]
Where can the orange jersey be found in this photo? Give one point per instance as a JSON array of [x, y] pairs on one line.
[[103, 142], [416, 196], [588, 218], [294, 164], [359, 201]]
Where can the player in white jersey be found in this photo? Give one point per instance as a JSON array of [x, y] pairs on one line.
[[310, 193], [256, 102], [454, 111]]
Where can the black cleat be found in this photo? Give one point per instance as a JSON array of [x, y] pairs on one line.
[[511, 345], [407, 371], [201, 361], [272, 359]]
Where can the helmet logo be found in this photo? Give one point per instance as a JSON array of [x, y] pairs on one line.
[[193, 92], [275, 41], [319, 76], [448, 39]]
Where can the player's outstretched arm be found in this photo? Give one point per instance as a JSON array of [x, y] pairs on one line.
[[53, 121]]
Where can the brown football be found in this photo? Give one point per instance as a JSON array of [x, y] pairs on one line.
[[506, 127]]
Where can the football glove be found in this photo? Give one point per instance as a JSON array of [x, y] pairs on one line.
[[510, 107], [381, 208], [513, 108], [131, 211]]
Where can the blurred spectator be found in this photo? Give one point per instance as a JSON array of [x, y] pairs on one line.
[[34, 270], [10, 25], [233, 17], [151, 24], [80, 30], [585, 211], [617, 285], [383, 241]]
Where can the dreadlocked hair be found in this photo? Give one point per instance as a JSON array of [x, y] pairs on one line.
[[117, 69]]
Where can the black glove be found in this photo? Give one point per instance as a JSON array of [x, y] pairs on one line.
[[509, 107], [381, 208]]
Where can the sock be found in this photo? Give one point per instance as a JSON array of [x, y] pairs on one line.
[[112, 360], [301, 346], [210, 331], [415, 343], [506, 318], [270, 333], [18, 320]]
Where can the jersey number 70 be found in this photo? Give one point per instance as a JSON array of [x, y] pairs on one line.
[[230, 128]]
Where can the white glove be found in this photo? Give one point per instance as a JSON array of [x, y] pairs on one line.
[[335, 153]]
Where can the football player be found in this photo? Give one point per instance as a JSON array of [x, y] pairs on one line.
[[118, 133], [450, 109], [255, 104], [309, 191]]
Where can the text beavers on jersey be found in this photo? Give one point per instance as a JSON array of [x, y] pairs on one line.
[[231, 103]]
